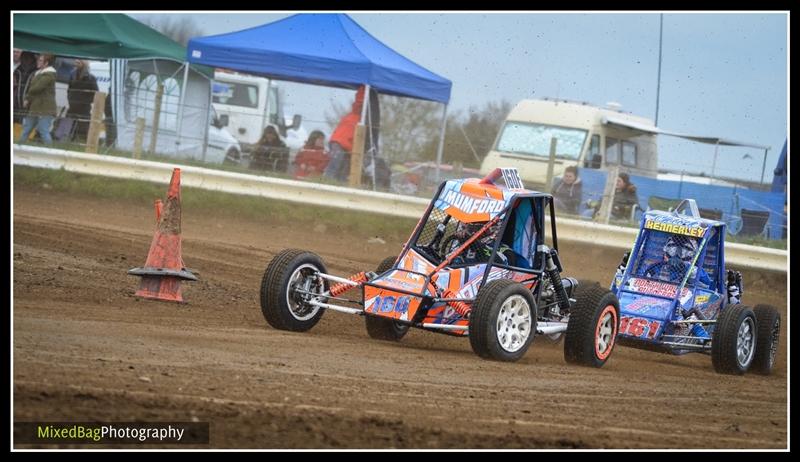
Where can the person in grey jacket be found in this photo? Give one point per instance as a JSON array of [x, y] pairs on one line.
[[567, 193]]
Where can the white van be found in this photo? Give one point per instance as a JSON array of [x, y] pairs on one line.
[[250, 104], [586, 136]]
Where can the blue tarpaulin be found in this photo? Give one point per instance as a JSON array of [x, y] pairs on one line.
[[322, 49]]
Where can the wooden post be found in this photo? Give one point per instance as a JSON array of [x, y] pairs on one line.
[[550, 164], [357, 156], [138, 138], [156, 117], [608, 195], [96, 123]]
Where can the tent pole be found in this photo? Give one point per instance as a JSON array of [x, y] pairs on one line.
[[441, 146], [764, 166], [714, 164], [265, 120], [180, 107], [208, 122]]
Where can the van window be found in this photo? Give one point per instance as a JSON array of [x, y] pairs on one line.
[[236, 94], [612, 151], [628, 154], [534, 140], [273, 106], [593, 157]]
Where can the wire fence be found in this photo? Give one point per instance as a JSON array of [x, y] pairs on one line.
[[212, 136]]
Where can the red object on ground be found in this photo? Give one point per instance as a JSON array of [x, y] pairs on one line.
[[163, 270]]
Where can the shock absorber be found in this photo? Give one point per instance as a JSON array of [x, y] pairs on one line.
[[341, 287], [555, 278], [461, 308]]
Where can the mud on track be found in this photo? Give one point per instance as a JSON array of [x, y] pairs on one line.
[[86, 349]]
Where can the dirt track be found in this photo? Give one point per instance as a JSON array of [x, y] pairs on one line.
[[86, 349]]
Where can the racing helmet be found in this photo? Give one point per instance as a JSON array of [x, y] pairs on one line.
[[467, 230], [680, 247]]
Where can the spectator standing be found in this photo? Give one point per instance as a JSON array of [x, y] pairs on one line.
[[341, 145], [40, 100], [23, 74], [80, 95]]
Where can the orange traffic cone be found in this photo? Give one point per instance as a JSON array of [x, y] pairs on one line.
[[163, 271]]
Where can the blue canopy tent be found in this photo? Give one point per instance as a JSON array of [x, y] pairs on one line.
[[322, 49]]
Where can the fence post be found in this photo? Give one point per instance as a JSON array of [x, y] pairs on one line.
[[156, 118], [550, 164], [96, 123], [357, 156], [608, 195], [138, 138]]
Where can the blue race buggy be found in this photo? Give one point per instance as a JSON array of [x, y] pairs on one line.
[[676, 296]]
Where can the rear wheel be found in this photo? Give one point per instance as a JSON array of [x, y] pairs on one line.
[[593, 326], [734, 340], [381, 328], [768, 326], [282, 305], [503, 321]]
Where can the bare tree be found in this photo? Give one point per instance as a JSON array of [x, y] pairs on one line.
[[180, 29]]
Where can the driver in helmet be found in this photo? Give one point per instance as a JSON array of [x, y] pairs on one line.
[[679, 255], [480, 250]]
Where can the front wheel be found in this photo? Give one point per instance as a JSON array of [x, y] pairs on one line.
[[733, 343], [287, 288], [768, 326], [592, 328], [503, 321]]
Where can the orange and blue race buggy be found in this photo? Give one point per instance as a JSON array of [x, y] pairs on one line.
[[677, 297], [475, 266]]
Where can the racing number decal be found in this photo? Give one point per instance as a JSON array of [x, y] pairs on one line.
[[390, 303], [639, 327]]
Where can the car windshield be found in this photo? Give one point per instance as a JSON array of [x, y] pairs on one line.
[[235, 94], [534, 140], [443, 234]]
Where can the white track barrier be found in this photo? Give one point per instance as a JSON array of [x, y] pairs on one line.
[[569, 230]]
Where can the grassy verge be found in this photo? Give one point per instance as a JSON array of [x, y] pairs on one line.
[[256, 208]]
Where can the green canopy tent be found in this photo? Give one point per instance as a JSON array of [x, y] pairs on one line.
[[119, 37]]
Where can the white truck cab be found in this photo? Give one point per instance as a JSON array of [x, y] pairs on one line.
[[586, 136], [249, 104]]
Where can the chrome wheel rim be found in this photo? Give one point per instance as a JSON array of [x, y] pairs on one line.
[[745, 342], [297, 308], [514, 323]]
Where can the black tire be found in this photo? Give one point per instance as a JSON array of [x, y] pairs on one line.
[[275, 286], [381, 328], [577, 294], [725, 340], [483, 321], [768, 326], [588, 341]]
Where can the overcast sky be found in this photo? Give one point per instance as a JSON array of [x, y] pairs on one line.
[[723, 74]]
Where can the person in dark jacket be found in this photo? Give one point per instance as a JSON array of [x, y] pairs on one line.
[[625, 197], [40, 100], [567, 193], [80, 95], [23, 74], [270, 152]]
